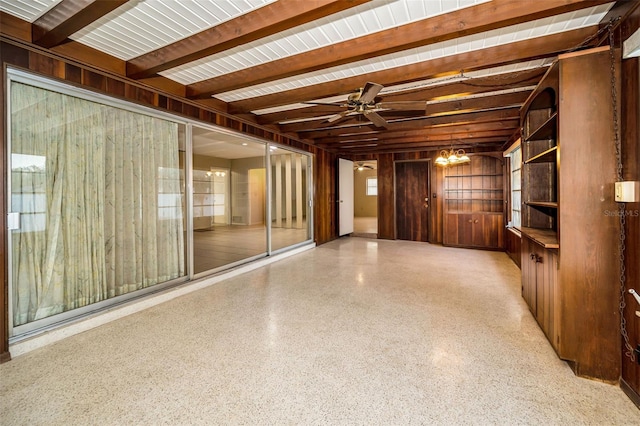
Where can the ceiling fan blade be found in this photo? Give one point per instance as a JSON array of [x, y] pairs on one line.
[[369, 92], [325, 103], [376, 119], [337, 117], [404, 105]]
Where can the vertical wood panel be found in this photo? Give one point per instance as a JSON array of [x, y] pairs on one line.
[[386, 212], [513, 245], [325, 197], [631, 147], [588, 235]]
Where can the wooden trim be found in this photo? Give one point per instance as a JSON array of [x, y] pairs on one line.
[[512, 148], [4, 263], [15, 27], [583, 52], [628, 390]]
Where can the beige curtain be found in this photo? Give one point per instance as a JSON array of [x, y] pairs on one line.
[[99, 194]]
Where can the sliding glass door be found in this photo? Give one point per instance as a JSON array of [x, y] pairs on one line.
[[229, 199], [96, 200], [109, 201]]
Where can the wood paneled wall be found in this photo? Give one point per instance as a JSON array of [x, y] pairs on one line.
[[513, 244], [630, 113], [386, 191], [30, 58]]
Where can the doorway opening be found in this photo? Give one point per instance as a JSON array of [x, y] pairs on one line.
[[365, 199]]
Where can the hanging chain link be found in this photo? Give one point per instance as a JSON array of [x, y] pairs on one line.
[[622, 213]]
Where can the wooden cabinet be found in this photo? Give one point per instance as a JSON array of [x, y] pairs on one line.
[[539, 277], [569, 170], [474, 203]]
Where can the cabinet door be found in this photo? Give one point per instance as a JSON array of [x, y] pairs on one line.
[[466, 229], [450, 237], [529, 274], [488, 230], [546, 272]]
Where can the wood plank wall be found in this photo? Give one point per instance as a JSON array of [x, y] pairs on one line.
[[45, 63], [386, 197], [630, 126]]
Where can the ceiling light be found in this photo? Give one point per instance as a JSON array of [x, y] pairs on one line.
[[452, 157]]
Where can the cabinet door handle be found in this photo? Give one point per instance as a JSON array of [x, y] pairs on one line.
[[532, 256], [470, 221], [475, 221], [538, 259]]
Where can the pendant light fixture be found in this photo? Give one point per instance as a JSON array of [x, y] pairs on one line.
[[452, 157]]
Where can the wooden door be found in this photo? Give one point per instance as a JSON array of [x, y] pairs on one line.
[[412, 200], [345, 197]]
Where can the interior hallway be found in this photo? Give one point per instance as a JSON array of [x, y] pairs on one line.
[[356, 331]]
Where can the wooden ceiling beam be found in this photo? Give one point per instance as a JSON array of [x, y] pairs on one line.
[[474, 86], [449, 107], [506, 54], [68, 17], [259, 23], [442, 139], [512, 113], [471, 20], [494, 142], [465, 128]]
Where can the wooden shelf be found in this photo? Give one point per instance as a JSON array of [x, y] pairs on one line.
[[544, 204], [547, 238], [546, 131], [548, 156]]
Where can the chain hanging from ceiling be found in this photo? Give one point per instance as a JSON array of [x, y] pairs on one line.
[[622, 276]]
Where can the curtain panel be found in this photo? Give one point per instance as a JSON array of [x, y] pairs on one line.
[[98, 189]]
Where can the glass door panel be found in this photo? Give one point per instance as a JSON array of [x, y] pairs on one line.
[[229, 189], [289, 198]]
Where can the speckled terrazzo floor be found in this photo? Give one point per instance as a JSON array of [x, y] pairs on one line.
[[356, 331]]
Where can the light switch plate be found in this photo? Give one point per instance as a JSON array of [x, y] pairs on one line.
[[627, 192]]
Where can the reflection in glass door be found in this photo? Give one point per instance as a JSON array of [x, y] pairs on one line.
[[289, 198], [228, 199]]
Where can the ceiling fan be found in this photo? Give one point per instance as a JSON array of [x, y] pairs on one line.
[[365, 102], [361, 165]]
